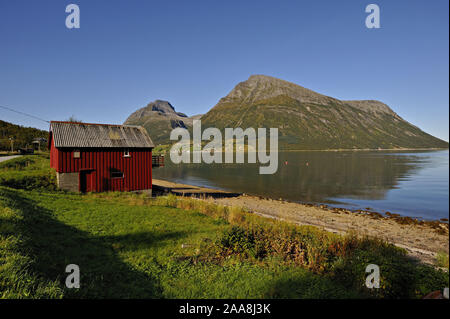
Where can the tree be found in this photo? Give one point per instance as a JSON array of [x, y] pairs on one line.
[[74, 119]]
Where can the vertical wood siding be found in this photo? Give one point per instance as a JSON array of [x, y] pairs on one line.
[[137, 168]]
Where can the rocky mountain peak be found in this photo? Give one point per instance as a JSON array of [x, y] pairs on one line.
[[161, 106], [159, 118], [260, 87], [157, 107]]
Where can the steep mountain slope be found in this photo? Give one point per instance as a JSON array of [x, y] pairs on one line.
[[159, 118], [309, 120]]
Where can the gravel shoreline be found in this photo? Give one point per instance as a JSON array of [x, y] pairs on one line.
[[422, 239]]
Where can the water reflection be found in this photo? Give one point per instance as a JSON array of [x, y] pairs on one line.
[[357, 179]]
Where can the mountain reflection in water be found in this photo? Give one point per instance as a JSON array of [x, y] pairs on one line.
[[412, 183]]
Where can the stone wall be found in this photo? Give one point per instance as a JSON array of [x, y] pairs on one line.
[[68, 181]]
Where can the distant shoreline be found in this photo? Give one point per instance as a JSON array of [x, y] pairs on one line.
[[320, 205], [166, 148], [367, 149]]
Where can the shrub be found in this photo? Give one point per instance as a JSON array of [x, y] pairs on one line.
[[237, 240], [400, 277], [29, 180]]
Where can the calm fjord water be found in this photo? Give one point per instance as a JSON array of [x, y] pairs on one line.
[[410, 183]]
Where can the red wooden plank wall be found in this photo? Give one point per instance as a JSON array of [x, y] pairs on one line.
[[137, 168]]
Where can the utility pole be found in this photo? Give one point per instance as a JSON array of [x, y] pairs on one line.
[[11, 139]]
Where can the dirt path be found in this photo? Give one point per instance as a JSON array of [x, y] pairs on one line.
[[421, 241], [5, 158]]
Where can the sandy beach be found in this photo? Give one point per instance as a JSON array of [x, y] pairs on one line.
[[422, 240]]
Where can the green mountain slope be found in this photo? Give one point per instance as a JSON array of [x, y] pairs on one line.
[[309, 120], [23, 136]]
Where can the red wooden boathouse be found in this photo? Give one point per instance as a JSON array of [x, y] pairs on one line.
[[101, 157]]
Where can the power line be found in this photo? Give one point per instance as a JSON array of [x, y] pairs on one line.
[[23, 113]]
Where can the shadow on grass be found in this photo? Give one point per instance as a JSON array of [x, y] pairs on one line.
[[53, 245], [141, 240], [310, 286]]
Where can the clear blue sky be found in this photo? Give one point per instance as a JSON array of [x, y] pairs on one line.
[[192, 53]]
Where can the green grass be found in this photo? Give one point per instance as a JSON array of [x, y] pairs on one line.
[[130, 251], [28, 172], [130, 246], [442, 259]]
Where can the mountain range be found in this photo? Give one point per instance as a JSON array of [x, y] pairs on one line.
[[305, 119]]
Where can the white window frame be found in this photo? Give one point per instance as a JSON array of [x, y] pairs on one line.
[[117, 177], [126, 153]]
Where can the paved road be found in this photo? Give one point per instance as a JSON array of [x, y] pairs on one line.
[[5, 158]]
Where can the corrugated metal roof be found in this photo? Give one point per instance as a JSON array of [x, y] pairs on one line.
[[68, 134]]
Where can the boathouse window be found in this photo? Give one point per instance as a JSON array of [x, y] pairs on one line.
[[126, 153], [116, 174], [76, 154]]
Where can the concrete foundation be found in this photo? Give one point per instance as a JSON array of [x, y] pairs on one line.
[[68, 181]]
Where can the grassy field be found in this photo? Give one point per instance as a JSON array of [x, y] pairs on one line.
[[130, 246], [28, 172]]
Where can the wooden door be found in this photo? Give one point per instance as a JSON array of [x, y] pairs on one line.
[[87, 181]]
